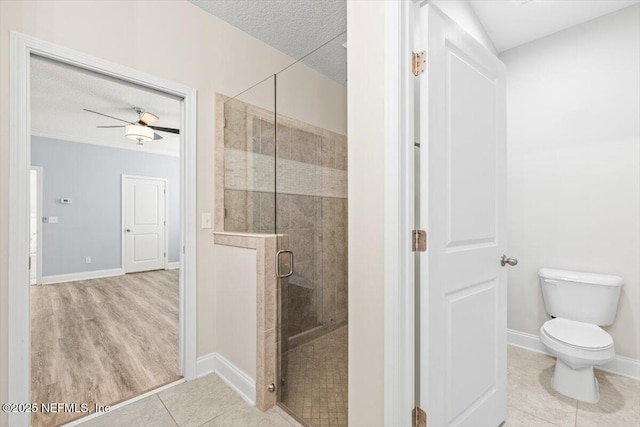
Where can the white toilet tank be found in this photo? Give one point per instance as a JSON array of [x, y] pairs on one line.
[[584, 297]]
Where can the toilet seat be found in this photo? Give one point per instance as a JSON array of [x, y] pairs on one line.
[[583, 336]]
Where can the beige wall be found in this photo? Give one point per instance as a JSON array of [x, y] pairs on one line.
[[573, 134], [366, 132], [236, 306], [177, 41]]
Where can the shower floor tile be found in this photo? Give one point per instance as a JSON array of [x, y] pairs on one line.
[[316, 388]]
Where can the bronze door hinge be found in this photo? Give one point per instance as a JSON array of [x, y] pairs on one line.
[[419, 241], [418, 62], [419, 417]]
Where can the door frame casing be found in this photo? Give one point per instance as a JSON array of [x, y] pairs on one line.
[[19, 342], [123, 178], [399, 217], [39, 176]]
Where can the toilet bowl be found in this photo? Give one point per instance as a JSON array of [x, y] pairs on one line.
[[578, 347], [579, 303]]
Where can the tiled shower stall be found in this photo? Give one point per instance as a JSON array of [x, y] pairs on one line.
[[280, 175], [309, 206]]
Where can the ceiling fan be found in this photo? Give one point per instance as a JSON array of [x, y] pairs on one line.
[[140, 131]]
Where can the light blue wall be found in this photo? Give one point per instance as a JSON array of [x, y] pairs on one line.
[[91, 225]]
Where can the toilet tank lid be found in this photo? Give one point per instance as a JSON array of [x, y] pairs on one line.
[[581, 277]]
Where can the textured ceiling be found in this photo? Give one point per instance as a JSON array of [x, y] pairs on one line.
[[295, 27], [60, 92], [511, 23]]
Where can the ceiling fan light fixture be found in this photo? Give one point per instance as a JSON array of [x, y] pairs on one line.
[[148, 118], [138, 133]]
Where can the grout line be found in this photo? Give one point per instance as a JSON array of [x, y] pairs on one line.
[[286, 420], [532, 414], [217, 416], [168, 411], [576, 418]]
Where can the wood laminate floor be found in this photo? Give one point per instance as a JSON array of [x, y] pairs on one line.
[[103, 340]]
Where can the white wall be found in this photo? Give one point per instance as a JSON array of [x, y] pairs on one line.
[[236, 306], [91, 175], [573, 132], [461, 12], [366, 130], [206, 53]]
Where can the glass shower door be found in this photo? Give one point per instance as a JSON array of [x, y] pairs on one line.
[[311, 222]]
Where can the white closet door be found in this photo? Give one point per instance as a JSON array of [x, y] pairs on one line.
[[144, 223]]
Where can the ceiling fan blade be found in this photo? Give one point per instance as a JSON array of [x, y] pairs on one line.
[[106, 115], [161, 129], [148, 118], [156, 136], [104, 127]]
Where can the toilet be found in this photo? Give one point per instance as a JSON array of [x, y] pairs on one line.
[[579, 303]]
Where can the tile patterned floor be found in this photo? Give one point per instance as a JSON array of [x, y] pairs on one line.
[[209, 402], [205, 402], [316, 388], [533, 403]]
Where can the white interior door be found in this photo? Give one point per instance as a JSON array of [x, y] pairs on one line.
[[462, 284], [144, 223]]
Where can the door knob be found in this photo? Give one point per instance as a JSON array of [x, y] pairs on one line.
[[511, 261], [128, 230]]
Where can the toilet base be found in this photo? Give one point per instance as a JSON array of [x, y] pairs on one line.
[[580, 384]]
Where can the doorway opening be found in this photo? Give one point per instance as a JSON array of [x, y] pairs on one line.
[[101, 334], [497, 156], [86, 331]]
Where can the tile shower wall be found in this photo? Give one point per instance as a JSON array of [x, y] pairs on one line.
[[311, 204]]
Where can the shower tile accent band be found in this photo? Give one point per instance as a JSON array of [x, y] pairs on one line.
[[255, 172]]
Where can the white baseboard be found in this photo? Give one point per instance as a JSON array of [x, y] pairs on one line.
[[242, 383], [173, 265], [85, 275], [205, 365], [621, 365]]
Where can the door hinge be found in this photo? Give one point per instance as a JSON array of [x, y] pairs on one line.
[[165, 254], [418, 417], [418, 62], [419, 241]]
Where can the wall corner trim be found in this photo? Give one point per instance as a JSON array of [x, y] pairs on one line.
[[625, 366], [239, 381]]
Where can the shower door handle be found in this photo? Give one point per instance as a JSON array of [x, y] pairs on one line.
[[290, 272]]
